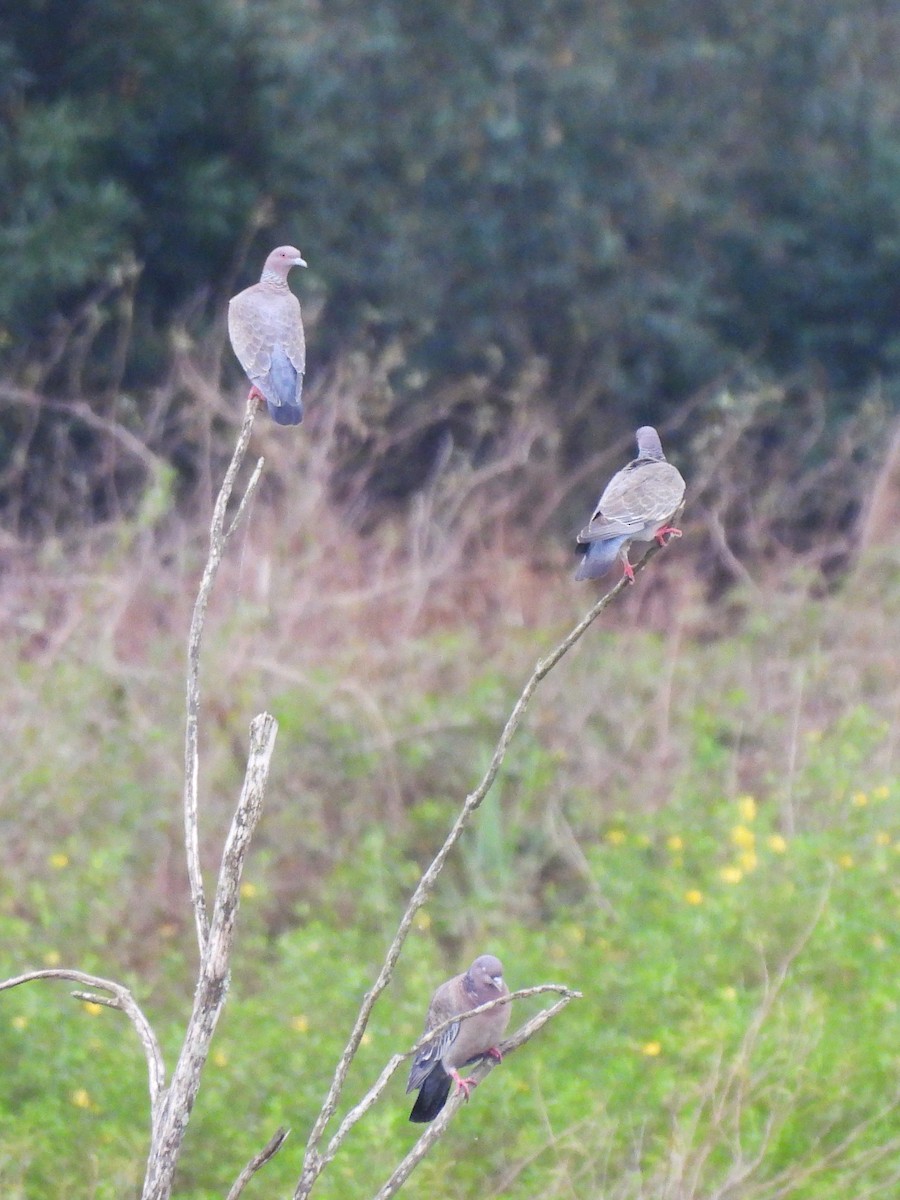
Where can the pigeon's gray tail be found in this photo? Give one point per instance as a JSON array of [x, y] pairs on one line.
[[285, 414], [432, 1096], [599, 557], [281, 388]]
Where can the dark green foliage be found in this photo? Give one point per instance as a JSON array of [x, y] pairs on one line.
[[643, 195]]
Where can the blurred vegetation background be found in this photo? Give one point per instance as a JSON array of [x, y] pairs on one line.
[[531, 227], [636, 201]]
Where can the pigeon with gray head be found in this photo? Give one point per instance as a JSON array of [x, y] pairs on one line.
[[437, 1064], [266, 332], [639, 504]]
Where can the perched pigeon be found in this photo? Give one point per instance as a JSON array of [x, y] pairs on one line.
[[462, 1042], [266, 333], [639, 503]]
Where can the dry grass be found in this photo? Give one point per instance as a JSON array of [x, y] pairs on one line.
[[391, 640]]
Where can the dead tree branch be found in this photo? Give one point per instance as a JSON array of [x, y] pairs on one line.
[[372, 1095], [212, 985], [314, 1160], [218, 538], [171, 1105], [480, 1071], [120, 997], [267, 1153]]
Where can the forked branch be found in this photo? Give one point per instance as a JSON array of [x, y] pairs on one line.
[[120, 997], [479, 1072], [314, 1159], [218, 538], [359, 1110]]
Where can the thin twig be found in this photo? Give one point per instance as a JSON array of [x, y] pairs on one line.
[[479, 1072], [249, 493], [126, 1003], [258, 1160], [217, 540], [312, 1161]]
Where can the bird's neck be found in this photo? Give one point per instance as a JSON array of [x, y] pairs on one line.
[[273, 280]]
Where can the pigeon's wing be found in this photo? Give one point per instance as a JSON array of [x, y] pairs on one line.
[[429, 1056], [446, 1002], [266, 332], [640, 497], [258, 322]]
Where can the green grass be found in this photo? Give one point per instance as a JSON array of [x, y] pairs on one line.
[[701, 833]]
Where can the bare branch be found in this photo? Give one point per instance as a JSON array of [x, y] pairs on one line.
[[249, 493], [499, 1001], [122, 999], [268, 1152], [212, 985], [372, 1095], [217, 541], [479, 1072], [313, 1160]]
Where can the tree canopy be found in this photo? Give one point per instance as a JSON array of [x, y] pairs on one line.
[[644, 195]]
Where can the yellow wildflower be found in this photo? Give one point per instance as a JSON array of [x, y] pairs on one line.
[[90, 1007], [248, 891], [220, 1058], [882, 838], [20, 1022], [859, 799], [675, 843], [881, 793], [747, 808], [58, 861], [845, 861], [51, 958], [877, 942], [81, 1099], [693, 896], [616, 837], [748, 861], [777, 844], [743, 837], [366, 1039], [728, 993], [575, 933], [651, 1049], [300, 1023], [731, 874], [422, 921]]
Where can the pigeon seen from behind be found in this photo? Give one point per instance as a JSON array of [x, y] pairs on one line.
[[437, 1064], [639, 504], [266, 332]]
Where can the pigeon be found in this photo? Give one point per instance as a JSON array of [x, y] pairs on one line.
[[641, 502], [266, 333], [436, 1065]]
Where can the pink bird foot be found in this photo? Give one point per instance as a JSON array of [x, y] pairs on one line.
[[628, 569], [494, 1053], [463, 1085], [664, 535], [256, 394]]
